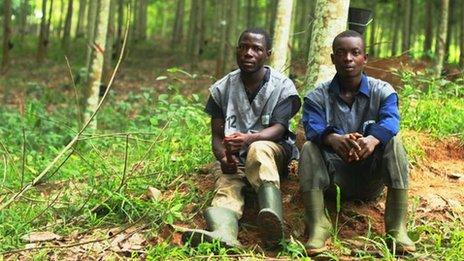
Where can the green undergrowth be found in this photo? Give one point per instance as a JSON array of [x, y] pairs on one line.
[[160, 140]]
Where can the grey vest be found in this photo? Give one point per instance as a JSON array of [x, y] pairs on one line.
[[241, 116]]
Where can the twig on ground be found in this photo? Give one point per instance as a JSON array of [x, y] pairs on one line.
[[5, 166], [123, 178], [43, 211], [78, 110], [76, 137], [23, 157]]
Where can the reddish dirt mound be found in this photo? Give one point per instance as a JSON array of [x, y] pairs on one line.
[[433, 187]]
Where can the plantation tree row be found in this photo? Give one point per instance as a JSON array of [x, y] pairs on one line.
[[209, 28]]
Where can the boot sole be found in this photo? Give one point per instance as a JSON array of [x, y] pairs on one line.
[[271, 228]]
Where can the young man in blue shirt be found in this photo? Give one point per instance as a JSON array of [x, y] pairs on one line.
[[351, 124]]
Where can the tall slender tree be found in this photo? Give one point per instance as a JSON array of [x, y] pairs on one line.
[[372, 27], [280, 60], [450, 27], [461, 42], [91, 21], [441, 38], [222, 40], [101, 29], [42, 45], [107, 60], [406, 40], [397, 13], [428, 26], [67, 27], [231, 35], [23, 12], [331, 18], [178, 23], [80, 18], [6, 34]]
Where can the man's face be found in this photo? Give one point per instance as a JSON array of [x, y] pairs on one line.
[[348, 56], [251, 52]]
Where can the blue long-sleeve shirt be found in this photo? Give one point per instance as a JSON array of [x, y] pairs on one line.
[[373, 112]]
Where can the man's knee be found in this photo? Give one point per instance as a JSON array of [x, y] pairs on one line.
[[260, 146], [396, 162]]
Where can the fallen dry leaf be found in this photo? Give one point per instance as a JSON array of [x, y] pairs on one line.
[[40, 237]]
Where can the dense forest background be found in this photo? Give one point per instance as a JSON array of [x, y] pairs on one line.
[[126, 185]]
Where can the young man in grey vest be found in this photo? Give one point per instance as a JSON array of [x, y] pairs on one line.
[[351, 124], [250, 110]]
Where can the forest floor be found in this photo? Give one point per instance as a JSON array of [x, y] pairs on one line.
[[436, 180]]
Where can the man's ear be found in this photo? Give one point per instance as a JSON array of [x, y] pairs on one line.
[[366, 56], [332, 57], [269, 52]]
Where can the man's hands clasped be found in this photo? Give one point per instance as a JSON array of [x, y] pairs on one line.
[[352, 146], [233, 143]]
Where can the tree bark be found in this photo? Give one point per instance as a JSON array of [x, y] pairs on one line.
[[428, 27], [119, 34], [6, 34], [396, 27], [231, 38], [67, 27], [97, 62], [192, 25], [80, 19], [43, 34], [372, 32], [331, 18], [406, 43], [441, 39], [222, 41], [141, 20], [47, 31], [450, 27], [60, 23], [107, 61], [177, 32], [279, 60], [91, 21], [23, 10], [461, 43]]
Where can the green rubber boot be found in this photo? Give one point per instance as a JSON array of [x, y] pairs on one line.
[[270, 222], [318, 224], [396, 212], [223, 226]]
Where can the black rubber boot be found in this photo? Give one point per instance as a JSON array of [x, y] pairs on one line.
[[270, 222], [396, 212], [223, 226], [318, 224]]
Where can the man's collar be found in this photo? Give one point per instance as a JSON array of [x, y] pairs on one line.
[[334, 86]]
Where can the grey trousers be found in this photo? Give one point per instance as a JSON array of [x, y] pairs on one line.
[[321, 168]]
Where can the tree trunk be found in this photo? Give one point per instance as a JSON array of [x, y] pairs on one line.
[[91, 21], [97, 62], [279, 60], [273, 15], [222, 41], [331, 18], [23, 11], [461, 43], [191, 23], [47, 31], [396, 27], [428, 27], [43, 34], [441, 39], [231, 38], [142, 20], [80, 18], [107, 61], [372, 32], [249, 17], [67, 27], [119, 34], [6, 34], [450, 27], [178, 24], [406, 43], [60, 23], [197, 32]]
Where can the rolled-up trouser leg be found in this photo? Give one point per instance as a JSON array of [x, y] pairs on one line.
[[395, 164], [312, 169], [229, 191], [265, 160]]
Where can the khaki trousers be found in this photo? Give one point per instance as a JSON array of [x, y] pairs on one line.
[[264, 161]]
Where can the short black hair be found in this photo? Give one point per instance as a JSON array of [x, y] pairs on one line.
[[348, 33], [261, 31]]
